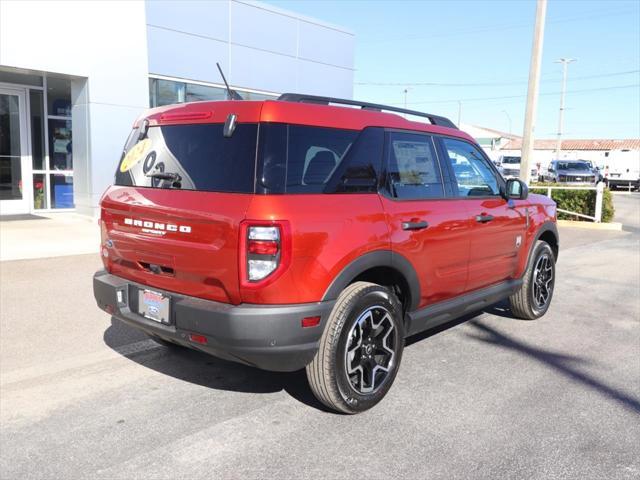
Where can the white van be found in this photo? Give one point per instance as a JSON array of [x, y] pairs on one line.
[[622, 169]]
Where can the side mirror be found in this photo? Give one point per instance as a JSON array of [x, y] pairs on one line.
[[516, 189]]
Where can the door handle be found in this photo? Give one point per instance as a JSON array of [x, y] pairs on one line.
[[484, 218], [414, 225]]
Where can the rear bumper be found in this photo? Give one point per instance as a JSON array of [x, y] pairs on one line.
[[619, 182], [270, 337]]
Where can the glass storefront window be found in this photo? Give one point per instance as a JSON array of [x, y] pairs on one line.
[[199, 93], [10, 167], [166, 92], [60, 151], [61, 190], [257, 96], [20, 78], [58, 97], [10, 178], [47, 114], [37, 129], [39, 191]]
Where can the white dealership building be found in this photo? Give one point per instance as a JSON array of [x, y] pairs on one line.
[[75, 75]]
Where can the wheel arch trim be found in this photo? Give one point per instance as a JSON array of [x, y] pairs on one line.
[[547, 226], [377, 258]]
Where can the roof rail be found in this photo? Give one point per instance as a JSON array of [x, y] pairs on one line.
[[302, 98]]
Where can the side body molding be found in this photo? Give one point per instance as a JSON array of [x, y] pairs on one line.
[[379, 258]]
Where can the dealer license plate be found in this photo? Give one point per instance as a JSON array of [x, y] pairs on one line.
[[153, 305]]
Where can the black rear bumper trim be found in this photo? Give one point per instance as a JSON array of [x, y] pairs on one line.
[[269, 337]]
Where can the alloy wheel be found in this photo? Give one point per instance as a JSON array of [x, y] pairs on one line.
[[542, 281], [370, 353]]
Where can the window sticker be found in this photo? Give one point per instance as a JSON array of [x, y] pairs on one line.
[[137, 153]]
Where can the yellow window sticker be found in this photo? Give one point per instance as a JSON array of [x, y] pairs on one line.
[[137, 153]]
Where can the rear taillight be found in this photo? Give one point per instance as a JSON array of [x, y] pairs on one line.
[[264, 250]]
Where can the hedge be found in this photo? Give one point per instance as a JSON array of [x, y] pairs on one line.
[[580, 201]]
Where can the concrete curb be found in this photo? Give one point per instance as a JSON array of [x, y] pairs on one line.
[[615, 226]]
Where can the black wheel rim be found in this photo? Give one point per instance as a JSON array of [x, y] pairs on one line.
[[371, 350], [542, 281]]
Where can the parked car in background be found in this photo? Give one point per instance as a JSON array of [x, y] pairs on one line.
[[597, 171], [576, 172], [509, 167]]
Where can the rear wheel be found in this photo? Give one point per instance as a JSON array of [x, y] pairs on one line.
[[360, 350], [534, 297]]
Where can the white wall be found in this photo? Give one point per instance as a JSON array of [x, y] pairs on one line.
[[110, 47], [258, 46], [103, 45]]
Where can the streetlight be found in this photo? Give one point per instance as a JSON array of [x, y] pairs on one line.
[[565, 63], [405, 92]]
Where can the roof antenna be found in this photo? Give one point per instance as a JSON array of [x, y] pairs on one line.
[[231, 94]]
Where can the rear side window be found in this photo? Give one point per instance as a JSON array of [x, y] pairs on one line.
[[202, 157], [300, 159], [413, 171]]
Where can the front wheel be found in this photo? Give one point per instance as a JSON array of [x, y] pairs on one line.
[[360, 350], [534, 297]]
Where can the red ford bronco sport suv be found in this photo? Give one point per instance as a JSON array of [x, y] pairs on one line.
[[318, 233]]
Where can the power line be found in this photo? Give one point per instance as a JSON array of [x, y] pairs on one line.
[[595, 14], [617, 87], [499, 84]]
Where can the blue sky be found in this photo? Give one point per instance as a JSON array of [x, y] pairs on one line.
[[486, 46]]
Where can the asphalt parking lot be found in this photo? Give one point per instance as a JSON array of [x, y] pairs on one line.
[[83, 396]]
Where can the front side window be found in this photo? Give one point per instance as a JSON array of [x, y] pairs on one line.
[[190, 157], [474, 176], [412, 167]]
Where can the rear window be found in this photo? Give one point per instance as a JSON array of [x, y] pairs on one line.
[[199, 154], [300, 159]]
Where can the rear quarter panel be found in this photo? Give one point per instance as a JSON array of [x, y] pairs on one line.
[[328, 232]]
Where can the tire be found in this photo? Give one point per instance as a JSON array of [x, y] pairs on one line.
[[534, 297], [360, 349]]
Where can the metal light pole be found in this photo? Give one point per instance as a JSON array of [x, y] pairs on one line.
[[532, 92], [508, 118], [459, 112], [405, 91], [565, 63]]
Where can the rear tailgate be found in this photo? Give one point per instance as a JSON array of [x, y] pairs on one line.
[[177, 240], [182, 187]]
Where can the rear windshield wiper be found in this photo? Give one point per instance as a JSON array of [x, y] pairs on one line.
[[173, 177]]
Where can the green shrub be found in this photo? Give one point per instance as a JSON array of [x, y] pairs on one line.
[[580, 201]]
